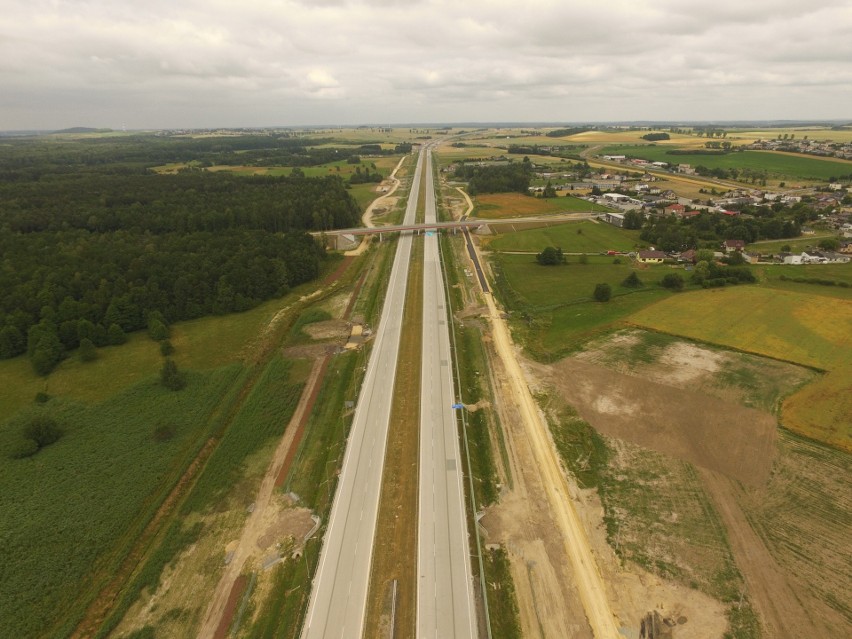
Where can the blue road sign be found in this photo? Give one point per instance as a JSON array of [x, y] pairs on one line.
[[458, 405]]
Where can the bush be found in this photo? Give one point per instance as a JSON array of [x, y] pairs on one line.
[[603, 292], [157, 330], [171, 377], [550, 256], [632, 281], [43, 430], [166, 348], [87, 351], [673, 281], [714, 282], [115, 335], [42, 398]]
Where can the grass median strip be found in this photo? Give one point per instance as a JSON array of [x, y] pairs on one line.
[[396, 529]]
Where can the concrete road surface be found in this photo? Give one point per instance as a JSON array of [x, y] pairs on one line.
[[339, 595], [445, 607]]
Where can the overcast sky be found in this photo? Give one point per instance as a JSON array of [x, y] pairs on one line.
[[209, 63]]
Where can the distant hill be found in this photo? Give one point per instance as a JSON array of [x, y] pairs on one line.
[[83, 129]]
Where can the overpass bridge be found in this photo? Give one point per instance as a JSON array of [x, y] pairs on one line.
[[455, 225]]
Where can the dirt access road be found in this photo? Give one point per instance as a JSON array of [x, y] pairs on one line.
[[256, 525], [589, 583], [367, 218]]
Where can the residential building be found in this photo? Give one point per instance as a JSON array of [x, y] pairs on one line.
[[651, 257]]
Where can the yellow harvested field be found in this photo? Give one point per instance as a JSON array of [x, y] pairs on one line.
[[811, 330], [823, 410]]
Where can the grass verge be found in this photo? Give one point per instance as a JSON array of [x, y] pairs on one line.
[[502, 601]]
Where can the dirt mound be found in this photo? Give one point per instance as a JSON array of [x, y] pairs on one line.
[[727, 438], [329, 329], [289, 522]]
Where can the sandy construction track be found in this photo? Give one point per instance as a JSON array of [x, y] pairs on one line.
[[590, 585], [367, 218]]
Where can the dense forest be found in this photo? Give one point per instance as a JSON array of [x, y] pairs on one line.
[[93, 244], [30, 157], [496, 178]]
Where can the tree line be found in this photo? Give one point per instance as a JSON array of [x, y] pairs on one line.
[[670, 233], [94, 250], [496, 178], [72, 285], [186, 202]]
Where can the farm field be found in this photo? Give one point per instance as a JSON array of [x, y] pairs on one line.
[[368, 135], [571, 237], [448, 154], [108, 474], [775, 164], [813, 133], [811, 330], [494, 206], [803, 515]]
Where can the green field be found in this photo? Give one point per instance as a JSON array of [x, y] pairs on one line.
[[807, 329], [552, 310], [775, 164], [810, 330], [840, 274], [796, 245], [572, 237], [81, 499]]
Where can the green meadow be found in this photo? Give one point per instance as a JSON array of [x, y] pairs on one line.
[[572, 237], [774, 163]]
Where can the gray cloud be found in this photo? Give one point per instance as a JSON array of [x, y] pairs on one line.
[[264, 62]]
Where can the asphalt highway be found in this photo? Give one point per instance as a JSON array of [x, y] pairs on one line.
[[445, 607], [338, 598]]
